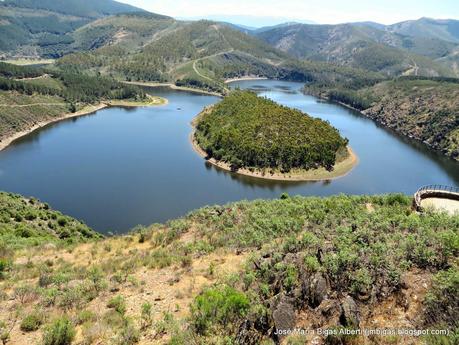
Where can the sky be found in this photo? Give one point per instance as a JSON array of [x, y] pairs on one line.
[[254, 12]]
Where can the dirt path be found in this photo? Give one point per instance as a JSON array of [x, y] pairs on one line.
[[34, 78], [28, 105]]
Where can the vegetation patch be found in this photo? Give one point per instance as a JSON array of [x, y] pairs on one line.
[[247, 131]]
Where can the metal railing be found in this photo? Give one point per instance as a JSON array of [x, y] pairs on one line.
[[432, 188]]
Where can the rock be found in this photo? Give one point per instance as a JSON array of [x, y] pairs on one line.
[[329, 308], [318, 290], [284, 314], [349, 313]]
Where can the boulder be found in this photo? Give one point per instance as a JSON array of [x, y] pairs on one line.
[[284, 315], [349, 313], [319, 290]]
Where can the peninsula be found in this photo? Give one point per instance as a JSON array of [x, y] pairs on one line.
[[254, 136]]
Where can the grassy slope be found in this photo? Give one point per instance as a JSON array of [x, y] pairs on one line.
[[306, 256]]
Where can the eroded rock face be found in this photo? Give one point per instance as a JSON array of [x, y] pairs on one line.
[[349, 313]]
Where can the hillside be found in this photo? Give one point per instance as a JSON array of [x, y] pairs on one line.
[[247, 131], [44, 28], [363, 46], [31, 97], [239, 272], [26, 222], [197, 53], [420, 108], [442, 29]]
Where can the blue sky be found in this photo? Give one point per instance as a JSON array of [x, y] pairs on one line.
[[319, 11]]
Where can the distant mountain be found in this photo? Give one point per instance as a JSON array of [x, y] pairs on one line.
[[361, 45], [278, 26], [442, 29], [252, 22]]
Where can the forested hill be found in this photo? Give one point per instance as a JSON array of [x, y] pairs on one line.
[[31, 95], [247, 131], [78, 8], [43, 28], [135, 47]]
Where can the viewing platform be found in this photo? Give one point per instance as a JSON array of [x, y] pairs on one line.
[[439, 197]]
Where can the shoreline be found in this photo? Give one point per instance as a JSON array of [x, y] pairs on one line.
[[340, 169], [87, 110], [173, 87], [232, 80]]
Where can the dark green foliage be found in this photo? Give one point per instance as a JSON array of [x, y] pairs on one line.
[[221, 305], [78, 87], [12, 71], [80, 8], [249, 131], [60, 332], [424, 108]]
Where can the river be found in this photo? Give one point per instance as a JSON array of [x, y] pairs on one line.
[[121, 167]]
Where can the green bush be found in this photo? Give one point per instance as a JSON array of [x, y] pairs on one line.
[[60, 332], [32, 322], [117, 303], [219, 305]]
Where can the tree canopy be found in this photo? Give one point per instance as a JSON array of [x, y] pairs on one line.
[[245, 130]]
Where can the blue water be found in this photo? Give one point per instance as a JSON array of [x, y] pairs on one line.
[[122, 167]]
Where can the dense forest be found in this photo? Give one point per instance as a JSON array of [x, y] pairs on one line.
[[72, 86], [232, 274], [245, 130]]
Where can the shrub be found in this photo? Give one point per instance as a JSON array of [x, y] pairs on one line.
[[62, 221], [85, 316], [442, 301], [60, 332], [128, 335], [32, 322], [145, 315], [221, 305], [118, 304]]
